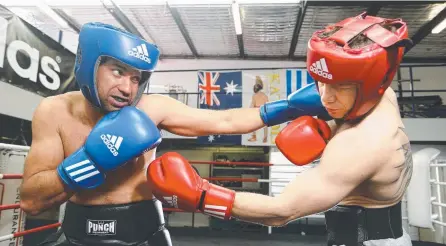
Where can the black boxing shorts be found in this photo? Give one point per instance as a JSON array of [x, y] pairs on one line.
[[355, 225], [139, 223]]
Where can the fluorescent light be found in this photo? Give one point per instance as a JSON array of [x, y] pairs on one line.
[[236, 16], [15, 3], [439, 27], [197, 2], [64, 3], [267, 1]]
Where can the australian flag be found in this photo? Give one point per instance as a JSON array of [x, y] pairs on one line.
[[296, 79], [220, 91]]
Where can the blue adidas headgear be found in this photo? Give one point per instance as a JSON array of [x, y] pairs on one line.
[[98, 40]]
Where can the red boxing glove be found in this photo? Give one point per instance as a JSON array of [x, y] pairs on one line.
[[174, 182], [303, 140]]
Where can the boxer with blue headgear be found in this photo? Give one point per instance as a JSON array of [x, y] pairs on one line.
[[90, 147], [100, 147], [98, 41]]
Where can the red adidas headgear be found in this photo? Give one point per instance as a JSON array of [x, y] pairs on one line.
[[331, 60]]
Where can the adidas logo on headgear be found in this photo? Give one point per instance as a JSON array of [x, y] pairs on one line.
[[140, 52], [112, 142], [320, 68]]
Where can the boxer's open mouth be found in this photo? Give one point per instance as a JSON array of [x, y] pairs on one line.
[[120, 99]]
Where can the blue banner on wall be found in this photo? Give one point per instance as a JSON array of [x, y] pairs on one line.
[[296, 79]]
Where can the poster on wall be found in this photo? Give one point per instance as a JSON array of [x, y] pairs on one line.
[[260, 87], [220, 90], [31, 60]]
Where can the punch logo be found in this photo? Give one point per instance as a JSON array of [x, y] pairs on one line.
[[172, 200], [320, 68], [101, 227], [140, 52], [112, 142], [87, 170], [49, 67]]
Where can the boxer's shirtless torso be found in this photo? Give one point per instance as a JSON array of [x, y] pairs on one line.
[[387, 186], [75, 120]]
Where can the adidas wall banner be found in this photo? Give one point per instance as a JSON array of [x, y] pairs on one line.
[[32, 60]]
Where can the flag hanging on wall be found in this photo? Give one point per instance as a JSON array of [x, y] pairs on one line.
[[296, 79], [220, 90]]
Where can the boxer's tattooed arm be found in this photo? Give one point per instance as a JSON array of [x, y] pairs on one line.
[[406, 166]]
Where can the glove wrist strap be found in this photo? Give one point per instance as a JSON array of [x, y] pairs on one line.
[[218, 202]]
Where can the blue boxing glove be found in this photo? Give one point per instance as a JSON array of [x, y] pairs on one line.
[[117, 138], [305, 101]]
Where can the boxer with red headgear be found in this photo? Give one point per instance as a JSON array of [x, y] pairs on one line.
[[360, 52], [366, 161]]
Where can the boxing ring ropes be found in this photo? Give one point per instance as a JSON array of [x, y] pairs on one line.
[[433, 173]]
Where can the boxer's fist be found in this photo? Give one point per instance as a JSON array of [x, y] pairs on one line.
[[305, 101], [117, 138], [173, 181], [303, 140]]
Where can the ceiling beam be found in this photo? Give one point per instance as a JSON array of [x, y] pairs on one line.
[[176, 16], [426, 29], [119, 15], [241, 46], [297, 27], [70, 21]]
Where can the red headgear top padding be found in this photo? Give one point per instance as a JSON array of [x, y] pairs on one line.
[[331, 59]]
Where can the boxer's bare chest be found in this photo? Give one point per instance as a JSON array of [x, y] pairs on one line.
[[122, 185]]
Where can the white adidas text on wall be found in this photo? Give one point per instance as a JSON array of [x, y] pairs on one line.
[[32, 72]]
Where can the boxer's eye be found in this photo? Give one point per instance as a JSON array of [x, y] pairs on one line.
[[136, 79], [117, 72]]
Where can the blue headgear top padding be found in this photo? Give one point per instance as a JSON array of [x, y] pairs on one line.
[[97, 40]]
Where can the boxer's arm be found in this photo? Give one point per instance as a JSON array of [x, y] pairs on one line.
[[181, 119], [342, 168], [41, 188]]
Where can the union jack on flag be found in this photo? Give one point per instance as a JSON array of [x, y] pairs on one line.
[[208, 88]]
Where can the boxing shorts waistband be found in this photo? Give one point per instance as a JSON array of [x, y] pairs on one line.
[[124, 224], [353, 225]]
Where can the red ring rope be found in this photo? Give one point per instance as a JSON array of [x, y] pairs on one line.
[[23, 233], [9, 206], [11, 176], [17, 205], [232, 179], [178, 210], [226, 163], [235, 163]]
